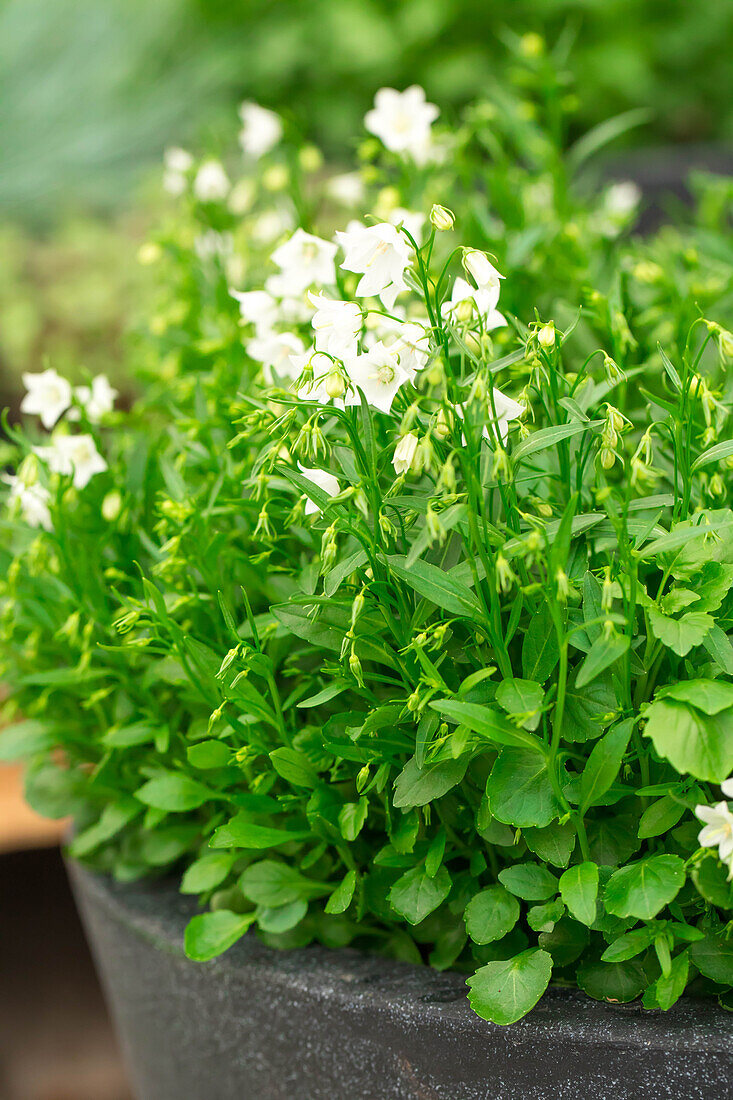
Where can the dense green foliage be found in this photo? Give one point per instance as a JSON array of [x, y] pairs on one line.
[[460, 706]]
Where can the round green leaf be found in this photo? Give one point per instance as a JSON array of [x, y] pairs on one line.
[[642, 889], [209, 934], [503, 992], [491, 914]]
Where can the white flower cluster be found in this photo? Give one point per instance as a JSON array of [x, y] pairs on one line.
[[49, 396], [376, 344], [717, 831]]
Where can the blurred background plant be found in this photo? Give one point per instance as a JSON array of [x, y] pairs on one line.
[[92, 93]]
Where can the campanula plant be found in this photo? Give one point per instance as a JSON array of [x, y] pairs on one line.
[[397, 613]]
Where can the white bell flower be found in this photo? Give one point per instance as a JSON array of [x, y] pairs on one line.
[[380, 254], [73, 456], [270, 225], [48, 396], [305, 260], [727, 787], [322, 480], [379, 374], [347, 189], [32, 501], [258, 308], [274, 350], [717, 831], [482, 271], [261, 130], [337, 325], [211, 183], [465, 301], [178, 162], [402, 120], [405, 453], [98, 399], [410, 340]]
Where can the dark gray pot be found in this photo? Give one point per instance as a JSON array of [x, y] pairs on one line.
[[314, 1024]]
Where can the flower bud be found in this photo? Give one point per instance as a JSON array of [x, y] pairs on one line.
[[112, 506], [335, 385], [355, 668], [441, 218], [504, 575], [405, 453], [311, 158], [563, 585], [275, 178], [546, 335]]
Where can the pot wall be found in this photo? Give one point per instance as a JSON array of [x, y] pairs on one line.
[[313, 1024]]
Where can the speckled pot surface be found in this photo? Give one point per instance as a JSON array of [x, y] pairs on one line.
[[314, 1024]]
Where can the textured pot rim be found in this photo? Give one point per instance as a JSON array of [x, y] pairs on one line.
[[157, 913]]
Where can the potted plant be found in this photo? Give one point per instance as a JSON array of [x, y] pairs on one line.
[[395, 617]]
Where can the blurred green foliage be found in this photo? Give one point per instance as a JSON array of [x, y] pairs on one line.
[[92, 91]]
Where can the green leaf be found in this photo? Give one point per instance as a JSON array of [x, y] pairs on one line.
[[436, 585], [416, 787], [615, 982], [710, 877], [25, 739], [529, 881], [660, 817], [281, 918], [330, 692], [487, 722], [604, 652], [352, 817], [294, 767], [174, 793], [543, 918], [242, 832], [209, 754], [519, 789], [210, 934], [604, 133], [550, 437], [491, 914], [207, 872], [696, 744], [415, 894], [523, 699], [717, 643], [114, 817], [643, 888], [579, 891], [540, 651], [273, 884], [670, 987], [587, 709], [553, 844], [713, 957], [680, 635], [125, 737], [603, 764], [340, 899], [716, 453], [503, 992], [630, 945], [709, 696]]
